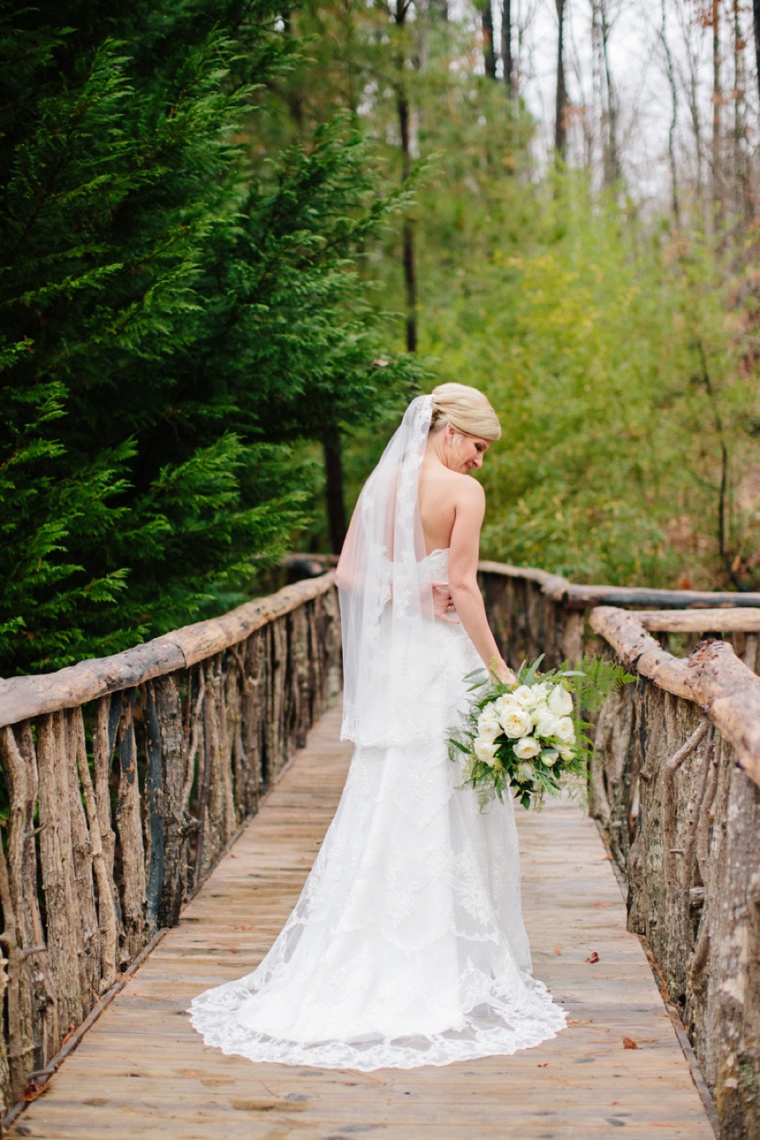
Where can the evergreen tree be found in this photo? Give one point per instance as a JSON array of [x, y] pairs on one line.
[[172, 308]]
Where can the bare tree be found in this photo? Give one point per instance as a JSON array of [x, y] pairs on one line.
[[691, 87], [506, 44], [670, 72], [489, 49], [717, 105], [756, 23], [611, 156], [561, 108], [741, 173]]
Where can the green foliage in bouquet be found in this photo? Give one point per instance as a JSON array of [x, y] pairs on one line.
[[529, 737]]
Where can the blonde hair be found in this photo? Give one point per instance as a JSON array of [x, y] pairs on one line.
[[466, 409]]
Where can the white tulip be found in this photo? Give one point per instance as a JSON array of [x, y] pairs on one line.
[[560, 701], [485, 750], [488, 723], [538, 711]]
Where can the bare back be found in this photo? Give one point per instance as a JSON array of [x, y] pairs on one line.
[[442, 494]]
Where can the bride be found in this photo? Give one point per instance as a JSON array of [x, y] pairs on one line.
[[407, 946]]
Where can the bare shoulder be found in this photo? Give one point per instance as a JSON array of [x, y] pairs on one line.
[[469, 493]]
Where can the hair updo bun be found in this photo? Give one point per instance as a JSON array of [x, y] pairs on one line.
[[466, 409]]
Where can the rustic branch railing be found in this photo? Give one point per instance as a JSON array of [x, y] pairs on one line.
[[667, 786], [124, 780]]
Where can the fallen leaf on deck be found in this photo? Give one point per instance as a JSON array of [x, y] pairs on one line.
[[594, 958], [557, 950], [628, 1043]]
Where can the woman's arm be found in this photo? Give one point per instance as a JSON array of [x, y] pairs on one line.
[[463, 583]]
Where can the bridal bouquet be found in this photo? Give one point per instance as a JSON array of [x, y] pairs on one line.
[[529, 736]]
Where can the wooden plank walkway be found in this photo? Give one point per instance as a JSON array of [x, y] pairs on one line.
[[142, 1071]]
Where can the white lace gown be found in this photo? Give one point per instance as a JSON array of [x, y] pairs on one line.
[[407, 946]]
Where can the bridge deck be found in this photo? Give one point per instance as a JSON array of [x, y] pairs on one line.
[[142, 1071]]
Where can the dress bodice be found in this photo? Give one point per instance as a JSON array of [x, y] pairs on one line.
[[438, 561]]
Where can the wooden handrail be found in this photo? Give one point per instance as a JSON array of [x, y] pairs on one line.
[[579, 597], [25, 697], [124, 778], [733, 620], [712, 676]]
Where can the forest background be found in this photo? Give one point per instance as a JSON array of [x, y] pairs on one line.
[[236, 237]]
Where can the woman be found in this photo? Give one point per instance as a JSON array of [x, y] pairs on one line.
[[407, 946]]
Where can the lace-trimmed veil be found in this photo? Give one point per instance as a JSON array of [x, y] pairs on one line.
[[386, 596], [407, 945]]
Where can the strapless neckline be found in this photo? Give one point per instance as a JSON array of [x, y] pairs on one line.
[[438, 550]]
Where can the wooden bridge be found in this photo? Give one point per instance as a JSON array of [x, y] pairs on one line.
[[127, 781]]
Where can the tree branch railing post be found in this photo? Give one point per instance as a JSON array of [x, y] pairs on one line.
[[675, 786], [182, 735], [123, 780]]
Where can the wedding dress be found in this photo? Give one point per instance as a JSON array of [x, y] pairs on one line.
[[407, 946]]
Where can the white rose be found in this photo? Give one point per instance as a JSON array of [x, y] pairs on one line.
[[527, 748], [485, 750], [547, 726], [567, 754], [560, 701], [541, 692], [564, 730], [525, 773], [516, 723], [523, 696], [549, 756]]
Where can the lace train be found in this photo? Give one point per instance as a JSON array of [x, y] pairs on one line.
[[407, 946]]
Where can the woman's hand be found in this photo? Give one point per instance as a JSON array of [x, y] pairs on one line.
[[443, 606], [499, 668]]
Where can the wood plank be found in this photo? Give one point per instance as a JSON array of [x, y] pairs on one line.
[[142, 1070]]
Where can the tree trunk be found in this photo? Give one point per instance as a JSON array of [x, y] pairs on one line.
[[410, 280], [404, 121], [717, 100], [742, 193], [673, 117], [756, 20], [560, 124], [336, 509], [611, 155], [506, 44], [408, 258], [489, 54]]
